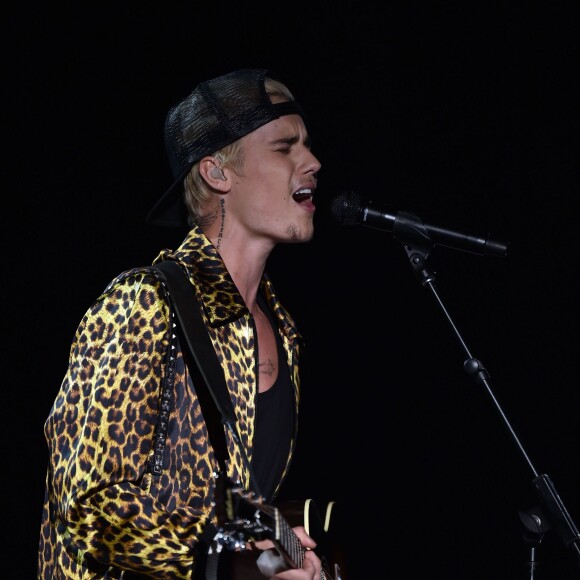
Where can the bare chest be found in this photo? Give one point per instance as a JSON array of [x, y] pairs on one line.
[[267, 352]]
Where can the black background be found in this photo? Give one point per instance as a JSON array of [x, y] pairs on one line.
[[464, 113]]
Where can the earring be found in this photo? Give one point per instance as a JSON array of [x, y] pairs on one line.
[[217, 173]]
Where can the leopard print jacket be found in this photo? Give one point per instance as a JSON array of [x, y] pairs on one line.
[[131, 473]]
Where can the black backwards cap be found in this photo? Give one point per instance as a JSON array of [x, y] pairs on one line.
[[217, 113]]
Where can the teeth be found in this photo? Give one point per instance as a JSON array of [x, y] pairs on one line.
[[302, 194]]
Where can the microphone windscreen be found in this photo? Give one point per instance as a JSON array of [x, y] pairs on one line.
[[346, 208]]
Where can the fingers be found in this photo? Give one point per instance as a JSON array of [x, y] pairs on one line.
[[304, 538], [310, 570], [311, 565], [263, 544]]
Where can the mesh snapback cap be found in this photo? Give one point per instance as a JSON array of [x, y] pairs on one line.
[[217, 113]]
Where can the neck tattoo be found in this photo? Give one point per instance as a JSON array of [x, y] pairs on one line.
[[221, 232]]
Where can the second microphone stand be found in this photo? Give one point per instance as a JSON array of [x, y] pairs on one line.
[[552, 513]]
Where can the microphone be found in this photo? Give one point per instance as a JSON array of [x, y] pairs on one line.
[[349, 209]]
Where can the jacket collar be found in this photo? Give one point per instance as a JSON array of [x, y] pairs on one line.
[[219, 295]]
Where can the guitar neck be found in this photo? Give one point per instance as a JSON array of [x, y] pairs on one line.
[[288, 540], [250, 518], [293, 550]]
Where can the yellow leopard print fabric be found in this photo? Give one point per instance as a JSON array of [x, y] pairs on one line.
[[130, 478]]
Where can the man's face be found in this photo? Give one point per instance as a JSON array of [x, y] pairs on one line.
[[271, 196]]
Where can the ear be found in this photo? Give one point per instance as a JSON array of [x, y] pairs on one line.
[[213, 174]]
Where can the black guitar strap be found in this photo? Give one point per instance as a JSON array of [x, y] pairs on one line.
[[203, 363]]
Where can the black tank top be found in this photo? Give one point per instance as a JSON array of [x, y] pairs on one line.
[[274, 422]]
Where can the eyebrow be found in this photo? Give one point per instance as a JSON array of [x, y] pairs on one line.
[[292, 141]]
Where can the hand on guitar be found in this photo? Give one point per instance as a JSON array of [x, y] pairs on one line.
[[266, 544], [311, 565]]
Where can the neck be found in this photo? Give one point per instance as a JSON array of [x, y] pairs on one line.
[[246, 264]]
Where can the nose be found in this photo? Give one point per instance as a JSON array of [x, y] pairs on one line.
[[312, 163]]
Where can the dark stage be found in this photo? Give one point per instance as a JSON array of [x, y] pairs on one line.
[[463, 113]]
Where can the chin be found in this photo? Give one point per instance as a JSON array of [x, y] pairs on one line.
[[298, 235]]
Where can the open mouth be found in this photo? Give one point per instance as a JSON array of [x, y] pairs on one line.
[[302, 195]]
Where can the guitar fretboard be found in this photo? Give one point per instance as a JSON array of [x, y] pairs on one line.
[[253, 518], [289, 540]]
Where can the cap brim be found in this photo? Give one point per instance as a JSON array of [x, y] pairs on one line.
[[170, 210]]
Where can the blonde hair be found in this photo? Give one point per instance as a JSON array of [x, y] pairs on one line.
[[196, 191]]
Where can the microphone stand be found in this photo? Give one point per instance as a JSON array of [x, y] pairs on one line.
[[552, 513]]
